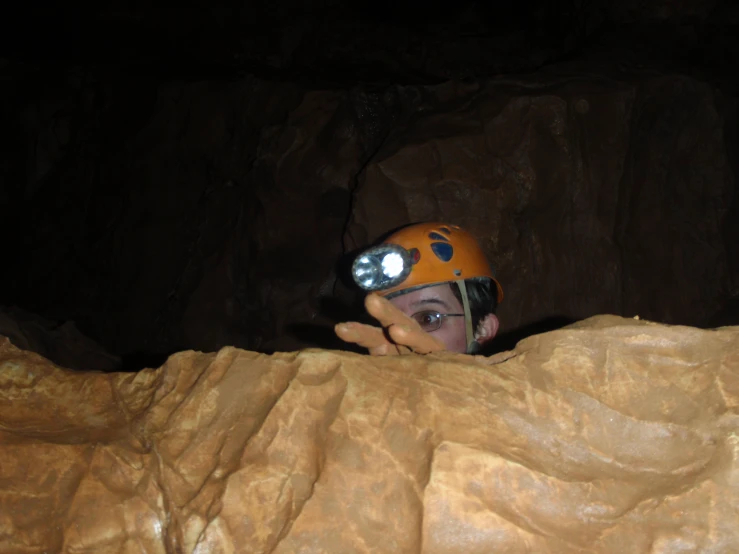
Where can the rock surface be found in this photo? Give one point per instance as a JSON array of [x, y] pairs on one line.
[[612, 435], [575, 188], [59, 342], [199, 215]]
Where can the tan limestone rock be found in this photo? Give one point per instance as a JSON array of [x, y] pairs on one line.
[[611, 435]]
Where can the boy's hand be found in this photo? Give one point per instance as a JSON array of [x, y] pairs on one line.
[[398, 334]]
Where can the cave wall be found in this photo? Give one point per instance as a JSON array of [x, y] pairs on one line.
[[601, 194], [189, 209], [197, 215], [205, 184]]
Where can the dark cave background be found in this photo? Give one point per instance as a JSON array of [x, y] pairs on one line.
[[197, 176]]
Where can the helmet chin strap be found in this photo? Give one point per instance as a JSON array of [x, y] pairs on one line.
[[472, 345]]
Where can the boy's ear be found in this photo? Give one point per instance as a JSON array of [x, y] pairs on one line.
[[487, 328]]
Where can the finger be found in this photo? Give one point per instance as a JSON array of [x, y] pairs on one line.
[[416, 339], [372, 338], [390, 349], [383, 350], [361, 334], [386, 312], [403, 329]]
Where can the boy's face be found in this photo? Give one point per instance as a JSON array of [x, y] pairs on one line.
[[441, 299]]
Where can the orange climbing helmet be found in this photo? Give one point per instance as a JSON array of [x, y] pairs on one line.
[[422, 254]]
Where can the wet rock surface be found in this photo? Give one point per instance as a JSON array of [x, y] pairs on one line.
[[611, 435]]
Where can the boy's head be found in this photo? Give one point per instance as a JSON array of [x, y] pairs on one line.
[[438, 274]]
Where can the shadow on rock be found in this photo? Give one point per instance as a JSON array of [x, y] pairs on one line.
[[320, 332], [508, 339], [321, 336], [137, 361]]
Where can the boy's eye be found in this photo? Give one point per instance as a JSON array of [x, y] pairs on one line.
[[428, 320]]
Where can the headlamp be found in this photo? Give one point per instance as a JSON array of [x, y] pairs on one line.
[[381, 267]]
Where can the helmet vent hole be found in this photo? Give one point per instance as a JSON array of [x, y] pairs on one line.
[[433, 235], [443, 250], [458, 272]]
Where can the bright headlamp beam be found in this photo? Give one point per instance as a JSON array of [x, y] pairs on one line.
[[381, 267], [392, 265]]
